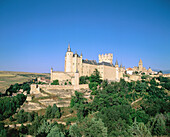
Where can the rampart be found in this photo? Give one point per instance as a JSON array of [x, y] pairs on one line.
[[35, 88]]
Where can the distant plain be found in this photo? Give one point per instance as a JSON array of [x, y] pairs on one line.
[[8, 78]]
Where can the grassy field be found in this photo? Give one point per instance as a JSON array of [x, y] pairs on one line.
[[8, 78]]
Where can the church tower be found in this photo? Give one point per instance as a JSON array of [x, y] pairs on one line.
[[68, 60], [51, 75], [140, 65]]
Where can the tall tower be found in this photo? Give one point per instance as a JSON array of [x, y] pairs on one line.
[[75, 62], [140, 65], [68, 60]]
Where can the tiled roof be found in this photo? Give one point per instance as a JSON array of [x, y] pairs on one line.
[[129, 69]]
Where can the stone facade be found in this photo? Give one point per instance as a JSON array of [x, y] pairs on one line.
[[106, 58], [75, 63]]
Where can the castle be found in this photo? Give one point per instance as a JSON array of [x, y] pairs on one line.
[[76, 66]]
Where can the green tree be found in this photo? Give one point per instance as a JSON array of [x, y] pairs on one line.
[[3, 132], [48, 112], [55, 132], [74, 131], [11, 118], [53, 110], [83, 80], [92, 128], [139, 129], [44, 129], [22, 116], [95, 77], [23, 129], [55, 82], [158, 126], [77, 100]]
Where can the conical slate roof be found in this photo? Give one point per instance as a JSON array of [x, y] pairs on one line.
[[68, 49], [116, 62]]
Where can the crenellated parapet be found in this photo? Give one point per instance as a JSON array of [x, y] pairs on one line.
[[106, 58]]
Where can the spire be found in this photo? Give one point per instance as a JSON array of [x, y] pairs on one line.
[[75, 52], [121, 66], [69, 49], [140, 61], [81, 54], [116, 62]]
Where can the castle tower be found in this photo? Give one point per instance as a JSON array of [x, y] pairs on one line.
[[140, 65], [68, 59], [106, 58], [117, 70], [75, 62]]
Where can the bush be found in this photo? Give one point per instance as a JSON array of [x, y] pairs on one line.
[[55, 82]]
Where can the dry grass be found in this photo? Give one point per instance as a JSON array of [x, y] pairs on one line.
[[8, 78], [7, 75]]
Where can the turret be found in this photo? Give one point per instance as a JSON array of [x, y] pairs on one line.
[[68, 49], [116, 64], [140, 65], [68, 59]]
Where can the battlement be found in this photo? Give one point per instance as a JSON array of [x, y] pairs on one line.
[[106, 58]]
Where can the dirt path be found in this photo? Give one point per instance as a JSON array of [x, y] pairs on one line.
[[136, 101]]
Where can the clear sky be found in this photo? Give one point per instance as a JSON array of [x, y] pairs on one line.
[[34, 34]]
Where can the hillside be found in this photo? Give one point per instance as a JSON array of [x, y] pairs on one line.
[[11, 77]]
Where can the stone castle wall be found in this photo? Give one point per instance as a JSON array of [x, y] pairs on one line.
[[61, 76], [109, 73], [88, 69], [35, 88]]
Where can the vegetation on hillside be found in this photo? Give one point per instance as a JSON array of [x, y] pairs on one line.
[[122, 108]]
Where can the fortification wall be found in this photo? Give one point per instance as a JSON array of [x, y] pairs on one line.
[[88, 69], [35, 88], [109, 73], [56, 87], [61, 76], [84, 86], [101, 70]]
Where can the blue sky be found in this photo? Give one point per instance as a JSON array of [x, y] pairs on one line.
[[34, 34]]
